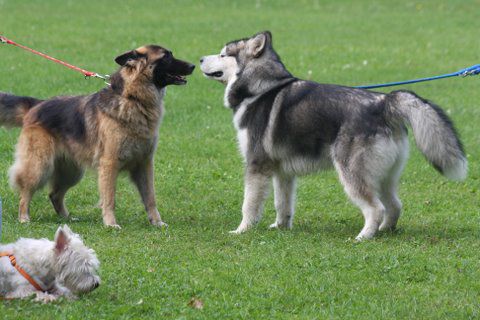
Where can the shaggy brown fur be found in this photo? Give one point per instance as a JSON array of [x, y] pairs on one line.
[[112, 130]]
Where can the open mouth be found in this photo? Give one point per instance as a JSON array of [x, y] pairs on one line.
[[216, 74], [178, 79]]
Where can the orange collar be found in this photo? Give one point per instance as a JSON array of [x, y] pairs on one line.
[[13, 261]]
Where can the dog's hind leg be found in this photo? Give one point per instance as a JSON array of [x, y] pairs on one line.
[[33, 165], [284, 191], [362, 188], [142, 176], [388, 192], [65, 175], [393, 205]]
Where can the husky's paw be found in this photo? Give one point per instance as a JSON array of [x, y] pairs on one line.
[[284, 226], [386, 226], [364, 236], [241, 229]]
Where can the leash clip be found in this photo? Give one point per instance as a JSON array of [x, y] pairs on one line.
[[104, 77], [471, 71]]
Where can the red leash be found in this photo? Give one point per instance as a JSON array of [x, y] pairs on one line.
[[86, 73]]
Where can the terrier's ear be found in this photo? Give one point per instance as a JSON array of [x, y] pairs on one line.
[[67, 229], [62, 239], [128, 58], [258, 43]]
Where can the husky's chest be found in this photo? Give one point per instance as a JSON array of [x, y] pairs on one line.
[[243, 136]]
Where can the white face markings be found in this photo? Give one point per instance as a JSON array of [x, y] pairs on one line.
[[219, 67]]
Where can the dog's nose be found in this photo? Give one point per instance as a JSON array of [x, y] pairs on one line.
[[192, 66], [201, 59], [97, 284]]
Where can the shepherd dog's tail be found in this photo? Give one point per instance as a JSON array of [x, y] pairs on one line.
[[14, 108]]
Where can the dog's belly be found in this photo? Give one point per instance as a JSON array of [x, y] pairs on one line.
[[299, 164]]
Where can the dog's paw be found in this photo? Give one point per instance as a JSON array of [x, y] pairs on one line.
[[159, 224], [387, 226], [113, 226], [24, 219], [241, 229], [276, 225], [45, 297], [363, 237]]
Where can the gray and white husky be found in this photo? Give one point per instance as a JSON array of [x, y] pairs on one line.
[[288, 127]]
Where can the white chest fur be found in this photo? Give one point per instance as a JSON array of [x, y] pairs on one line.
[[242, 133]]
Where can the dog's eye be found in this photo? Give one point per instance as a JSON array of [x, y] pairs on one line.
[[222, 56]]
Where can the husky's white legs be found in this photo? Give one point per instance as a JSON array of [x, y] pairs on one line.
[[388, 192], [365, 198], [256, 190], [284, 190]]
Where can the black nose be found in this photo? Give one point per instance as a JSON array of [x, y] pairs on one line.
[[96, 285], [201, 60], [191, 67]]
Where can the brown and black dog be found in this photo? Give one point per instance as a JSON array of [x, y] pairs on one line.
[[112, 130]]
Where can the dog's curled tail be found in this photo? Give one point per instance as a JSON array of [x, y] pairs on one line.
[[434, 133], [13, 109]]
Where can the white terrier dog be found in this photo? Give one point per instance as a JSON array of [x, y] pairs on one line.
[[48, 269]]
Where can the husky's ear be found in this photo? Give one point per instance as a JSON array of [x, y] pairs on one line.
[[62, 239], [258, 43], [127, 59]]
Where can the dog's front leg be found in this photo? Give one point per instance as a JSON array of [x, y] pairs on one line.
[[107, 178], [142, 176], [45, 297], [256, 190], [284, 190], [61, 291]]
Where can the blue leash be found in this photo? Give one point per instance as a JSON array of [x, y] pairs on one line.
[[470, 71]]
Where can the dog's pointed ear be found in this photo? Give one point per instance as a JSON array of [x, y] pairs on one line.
[[67, 229], [62, 239], [128, 58], [259, 42]]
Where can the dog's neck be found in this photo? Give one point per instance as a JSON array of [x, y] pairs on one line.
[[37, 258], [140, 105], [236, 95], [244, 85]]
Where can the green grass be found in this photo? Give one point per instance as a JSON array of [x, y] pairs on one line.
[[428, 269]]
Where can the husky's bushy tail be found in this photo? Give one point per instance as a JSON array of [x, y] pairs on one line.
[[434, 132], [13, 109]]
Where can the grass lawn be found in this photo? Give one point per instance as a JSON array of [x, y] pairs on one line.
[[429, 268]]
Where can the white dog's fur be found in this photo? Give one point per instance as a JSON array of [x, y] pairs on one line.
[[63, 267]]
